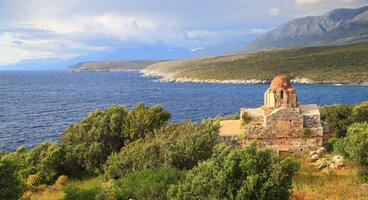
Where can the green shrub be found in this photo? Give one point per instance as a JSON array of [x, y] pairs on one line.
[[338, 118], [246, 117], [142, 120], [357, 143], [357, 146], [102, 133], [11, 187], [339, 147], [150, 184], [360, 112], [180, 145], [240, 173], [76, 193]]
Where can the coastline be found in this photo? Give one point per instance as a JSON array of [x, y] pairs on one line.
[[170, 77]]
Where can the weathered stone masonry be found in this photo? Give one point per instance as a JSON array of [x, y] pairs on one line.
[[281, 124]]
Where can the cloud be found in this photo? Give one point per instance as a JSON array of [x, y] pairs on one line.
[[317, 7], [275, 12], [308, 2], [62, 29], [259, 31]]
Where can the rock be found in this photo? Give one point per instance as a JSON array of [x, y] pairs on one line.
[[314, 158], [339, 165], [312, 153], [321, 151], [337, 158]]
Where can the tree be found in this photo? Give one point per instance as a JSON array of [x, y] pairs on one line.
[[338, 117], [360, 112], [240, 173], [143, 120], [11, 186], [180, 146], [150, 184], [102, 133], [357, 146]]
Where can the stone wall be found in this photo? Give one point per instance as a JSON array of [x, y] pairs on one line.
[[284, 122]]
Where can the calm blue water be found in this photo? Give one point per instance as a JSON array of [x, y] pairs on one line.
[[37, 106]]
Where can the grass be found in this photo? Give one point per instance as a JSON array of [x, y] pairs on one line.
[[54, 193], [311, 184], [337, 64], [308, 184]]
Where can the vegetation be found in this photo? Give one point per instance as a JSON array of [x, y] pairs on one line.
[[180, 146], [357, 147], [341, 116], [137, 154], [101, 133], [11, 186], [337, 64], [242, 173], [310, 183], [350, 123], [114, 65]]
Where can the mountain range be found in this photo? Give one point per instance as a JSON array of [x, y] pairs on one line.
[[337, 27]]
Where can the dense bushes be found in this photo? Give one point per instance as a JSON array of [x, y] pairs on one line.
[[11, 186], [338, 118], [41, 165], [357, 147], [341, 116], [241, 173], [151, 184], [350, 124], [101, 133], [142, 156], [180, 145]]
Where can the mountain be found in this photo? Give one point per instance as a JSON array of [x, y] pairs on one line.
[[330, 64], [141, 52], [337, 27], [115, 65]]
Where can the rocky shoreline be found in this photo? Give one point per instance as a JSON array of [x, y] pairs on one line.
[[170, 77]]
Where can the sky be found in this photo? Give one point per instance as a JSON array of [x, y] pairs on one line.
[[63, 29]]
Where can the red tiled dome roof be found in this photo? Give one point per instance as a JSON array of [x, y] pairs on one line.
[[280, 82]]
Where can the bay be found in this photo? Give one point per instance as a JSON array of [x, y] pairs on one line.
[[36, 106]]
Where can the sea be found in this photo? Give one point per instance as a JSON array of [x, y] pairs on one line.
[[36, 106]]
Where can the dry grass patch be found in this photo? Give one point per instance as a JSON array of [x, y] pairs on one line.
[[309, 183]]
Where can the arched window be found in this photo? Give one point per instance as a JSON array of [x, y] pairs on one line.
[[282, 94]]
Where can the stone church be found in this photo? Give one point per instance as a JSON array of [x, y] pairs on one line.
[[281, 124]]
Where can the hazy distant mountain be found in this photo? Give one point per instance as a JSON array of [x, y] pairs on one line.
[[337, 27], [142, 52]]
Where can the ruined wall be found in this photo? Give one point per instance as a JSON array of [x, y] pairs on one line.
[[284, 122]]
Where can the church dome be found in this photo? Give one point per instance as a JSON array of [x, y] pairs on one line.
[[280, 82]]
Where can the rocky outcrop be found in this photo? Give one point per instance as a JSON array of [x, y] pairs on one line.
[[323, 161]]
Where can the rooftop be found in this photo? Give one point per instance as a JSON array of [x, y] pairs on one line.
[[280, 82]]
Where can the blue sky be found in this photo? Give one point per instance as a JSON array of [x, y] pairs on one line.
[[32, 29]]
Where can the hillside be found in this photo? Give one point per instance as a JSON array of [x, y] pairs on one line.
[[115, 65], [336, 64], [337, 27]]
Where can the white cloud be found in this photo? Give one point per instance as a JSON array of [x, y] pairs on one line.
[[275, 12], [308, 2], [51, 28], [259, 31], [197, 49]]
